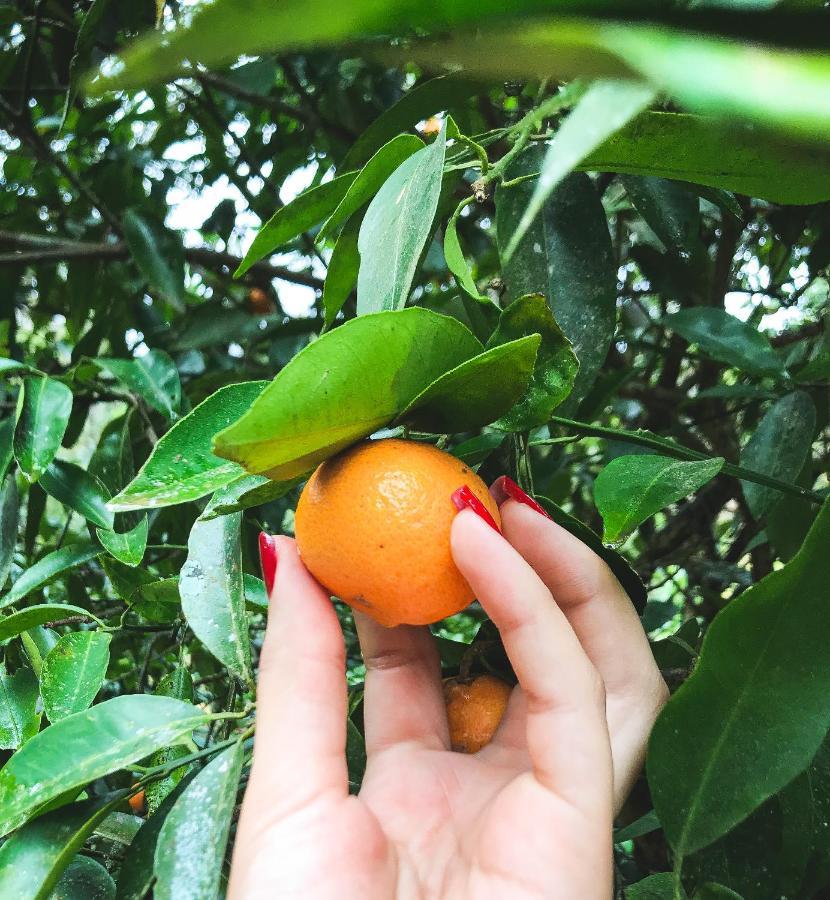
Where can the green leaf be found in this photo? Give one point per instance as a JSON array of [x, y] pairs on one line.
[[107, 737], [152, 377], [457, 264], [44, 415], [396, 227], [19, 719], [602, 110], [32, 616], [76, 488], [477, 391], [112, 463], [355, 756], [655, 887], [566, 255], [6, 444], [212, 593], [475, 450], [706, 151], [713, 891], [617, 563], [631, 489], [727, 339], [47, 568], [305, 211], [245, 492], [370, 179], [73, 673], [301, 418], [153, 259], [420, 102], [671, 210], [127, 547], [754, 712], [779, 447], [191, 843], [556, 365], [9, 509], [84, 44], [341, 276], [84, 879], [646, 824], [182, 467]]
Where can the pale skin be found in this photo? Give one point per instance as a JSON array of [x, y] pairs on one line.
[[528, 816]]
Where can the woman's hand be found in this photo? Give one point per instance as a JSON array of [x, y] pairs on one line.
[[530, 815]]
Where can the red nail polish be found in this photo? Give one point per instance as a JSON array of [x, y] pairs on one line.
[[464, 498], [268, 560], [516, 493]]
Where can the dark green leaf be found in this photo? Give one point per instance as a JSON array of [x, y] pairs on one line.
[[671, 210], [355, 756], [646, 824], [9, 508], [754, 712], [153, 260], [396, 228], [19, 720], [112, 463], [179, 685], [73, 673], [44, 415], [47, 568], [182, 467], [84, 879], [6, 444], [152, 377], [341, 276], [76, 488], [656, 887], [457, 264], [127, 547], [245, 492]]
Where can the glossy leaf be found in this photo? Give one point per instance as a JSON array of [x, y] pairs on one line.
[[191, 843], [602, 110], [655, 887], [212, 593], [556, 365], [301, 419], [152, 377], [179, 685], [727, 339], [754, 712], [477, 391], [112, 462], [779, 447], [32, 616], [370, 179], [19, 719], [672, 211], [73, 673], [126, 546], [76, 488], [47, 568], [84, 879], [396, 228], [44, 415], [566, 256], [9, 509], [341, 276], [245, 492], [107, 737], [182, 466], [631, 489], [291, 220], [152, 258]]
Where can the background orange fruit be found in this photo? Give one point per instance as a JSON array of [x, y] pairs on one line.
[[373, 527], [474, 710]]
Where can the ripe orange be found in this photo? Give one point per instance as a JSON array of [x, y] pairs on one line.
[[474, 709], [137, 803], [373, 527]]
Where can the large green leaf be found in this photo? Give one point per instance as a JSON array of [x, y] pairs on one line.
[[9, 509], [565, 255], [556, 365], [706, 151], [631, 489], [754, 712], [294, 218], [32, 616], [90, 744], [19, 718], [76, 488], [601, 111], [191, 843], [152, 377], [369, 180], [44, 415], [147, 248], [47, 568], [212, 592], [332, 394], [396, 228], [779, 447], [182, 466], [73, 672], [727, 338]]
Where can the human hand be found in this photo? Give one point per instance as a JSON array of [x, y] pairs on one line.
[[530, 815]]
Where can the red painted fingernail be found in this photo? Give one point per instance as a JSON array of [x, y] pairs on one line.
[[516, 493], [268, 560], [464, 498]]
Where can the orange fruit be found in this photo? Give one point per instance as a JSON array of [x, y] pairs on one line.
[[259, 302], [474, 710], [137, 803], [373, 527]]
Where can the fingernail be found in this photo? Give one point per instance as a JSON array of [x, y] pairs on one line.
[[268, 560], [516, 493], [464, 498]]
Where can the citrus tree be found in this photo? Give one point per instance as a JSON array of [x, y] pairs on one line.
[[584, 246]]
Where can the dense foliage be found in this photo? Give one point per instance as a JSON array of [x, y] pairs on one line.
[[612, 240]]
